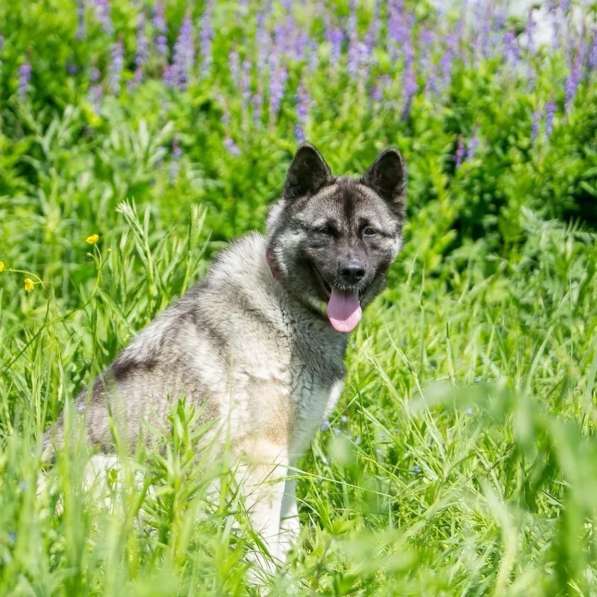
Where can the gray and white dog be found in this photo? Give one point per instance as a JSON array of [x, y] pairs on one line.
[[259, 344]]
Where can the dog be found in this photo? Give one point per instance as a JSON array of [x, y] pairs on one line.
[[259, 343]]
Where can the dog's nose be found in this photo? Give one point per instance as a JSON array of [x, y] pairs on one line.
[[352, 272]]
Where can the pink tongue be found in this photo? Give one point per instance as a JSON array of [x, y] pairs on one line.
[[344, 310]]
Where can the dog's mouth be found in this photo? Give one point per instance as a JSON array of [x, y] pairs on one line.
[[343, 304]]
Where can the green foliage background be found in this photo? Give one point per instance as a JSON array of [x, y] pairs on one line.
[[462, 458]]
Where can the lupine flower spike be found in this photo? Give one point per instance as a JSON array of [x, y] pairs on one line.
[[142, 48], [184, 53], [24, 79], [159, 24]]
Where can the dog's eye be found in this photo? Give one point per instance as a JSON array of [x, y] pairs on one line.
[[326, 229], [369, 231]]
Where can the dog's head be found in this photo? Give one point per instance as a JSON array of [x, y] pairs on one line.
[[332, 239]]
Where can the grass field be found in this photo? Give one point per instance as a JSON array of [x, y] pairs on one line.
[[137, 138]]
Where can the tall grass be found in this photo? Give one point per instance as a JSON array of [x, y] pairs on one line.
[[462, 456]]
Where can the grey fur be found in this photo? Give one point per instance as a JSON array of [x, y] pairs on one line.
[[251, 345]]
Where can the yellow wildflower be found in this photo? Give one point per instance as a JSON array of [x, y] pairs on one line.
[[2, 266], [92, 240], [29, 284]]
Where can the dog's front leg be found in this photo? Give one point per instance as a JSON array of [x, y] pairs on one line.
[[289, 520], [263, 482]]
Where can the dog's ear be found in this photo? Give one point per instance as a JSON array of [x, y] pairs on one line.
[[387, 177], [307, 173]]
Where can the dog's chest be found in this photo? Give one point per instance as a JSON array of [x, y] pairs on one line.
[[312, 396]]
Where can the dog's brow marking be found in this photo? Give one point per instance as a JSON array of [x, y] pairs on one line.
[[348, 204], [326, 192], [363, 222]]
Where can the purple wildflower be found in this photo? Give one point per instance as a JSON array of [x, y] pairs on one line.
[[24, 79], [334, 36], [234, 62], [288, 39], [409, 86], [461, 24], [377, 92], [378, 88], [535, 125], [95, 96], [473, 144], [159, 23], [460, 154], [354, 51], [245, 83], [142, 52], [409, 79], [426, 42], [511, 49], [257, 101], [373, 31], [431, 85], [72, 69], [280, 45], [555, 33], [550, 110], [183, 61], [303, 102], [593, 52], [298, 39], [170, 77], [277, 84], [446, 65], [94, 74], [231, 146], [206, 37], [80, 34], [278, 73], [312, 56], [357, 57], [262, 40], [397, 29], [427, 39], [228, 141], [483, 18], [447, 60], [116, 65], [95, 91], [573, 80], [500, 18], [102, 10]]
